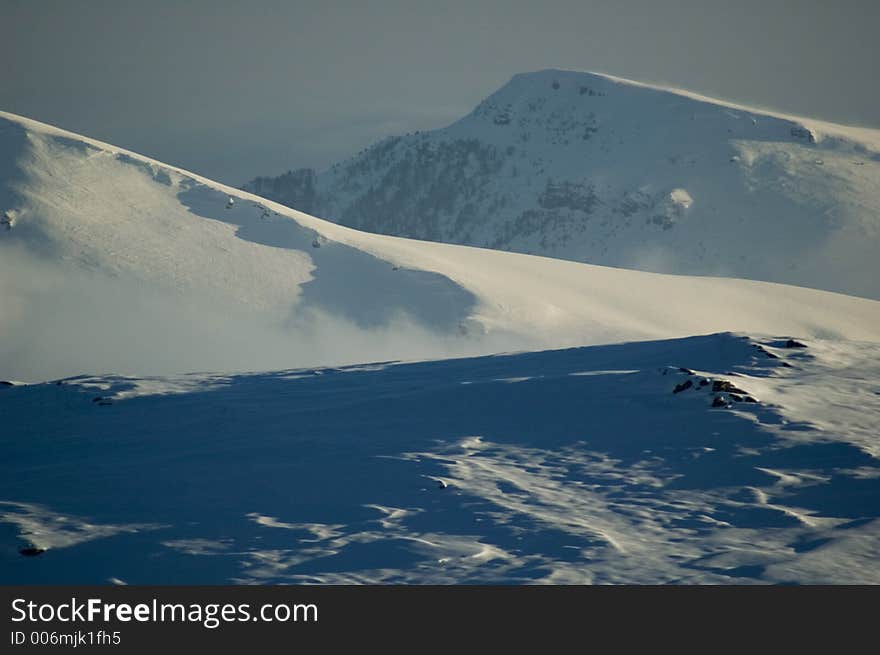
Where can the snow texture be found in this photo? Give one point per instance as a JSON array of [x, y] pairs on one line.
[[569, 466]]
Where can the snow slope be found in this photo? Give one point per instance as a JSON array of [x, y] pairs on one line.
[[569, 466], [113, 262], [599, 169]]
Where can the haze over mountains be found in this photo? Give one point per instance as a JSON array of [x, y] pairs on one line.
[[597, 169]]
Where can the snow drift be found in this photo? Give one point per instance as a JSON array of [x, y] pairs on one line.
[[716, 459]]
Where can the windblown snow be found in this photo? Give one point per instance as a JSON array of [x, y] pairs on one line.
[[568, 466], [643, 453]]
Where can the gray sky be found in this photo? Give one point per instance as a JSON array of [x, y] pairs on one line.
[[236, 89]]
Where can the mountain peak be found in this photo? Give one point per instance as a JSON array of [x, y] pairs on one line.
[[572, 92], [594, 168]]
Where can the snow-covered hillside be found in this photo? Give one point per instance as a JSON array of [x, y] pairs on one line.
[[111, 262], [597, 169], [714, 459], [718, 458]]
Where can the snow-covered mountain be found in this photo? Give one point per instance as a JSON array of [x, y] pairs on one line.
[[749, 457], [598, 169], [634, 463], [110, 261]]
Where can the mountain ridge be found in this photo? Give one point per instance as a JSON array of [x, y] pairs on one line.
[[115, 262]]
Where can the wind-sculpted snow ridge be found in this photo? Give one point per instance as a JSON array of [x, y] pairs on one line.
[[713, 459], [113, 262], [598, 169]]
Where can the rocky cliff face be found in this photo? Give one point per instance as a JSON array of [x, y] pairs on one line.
[[590, 168]]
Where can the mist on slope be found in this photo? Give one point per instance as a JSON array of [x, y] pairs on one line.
[[58, 322]]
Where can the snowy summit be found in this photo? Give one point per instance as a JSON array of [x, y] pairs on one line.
[[598, 169]]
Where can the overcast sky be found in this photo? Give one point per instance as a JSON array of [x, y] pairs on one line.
[[235, 89]]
